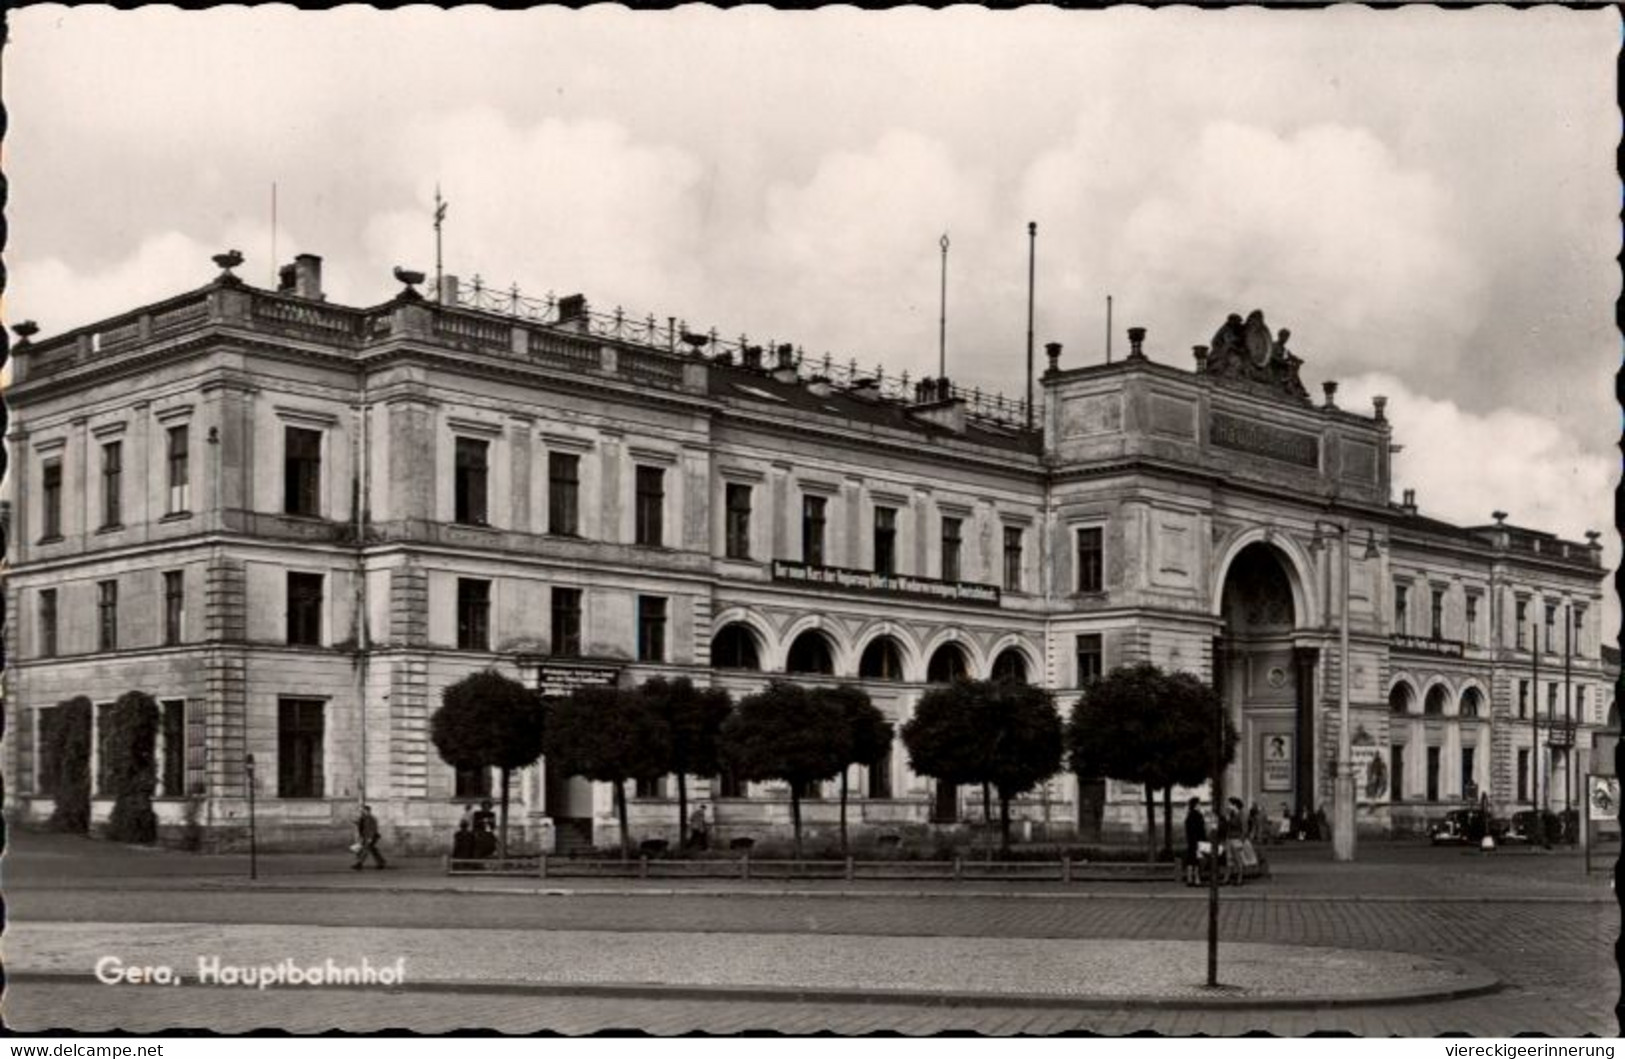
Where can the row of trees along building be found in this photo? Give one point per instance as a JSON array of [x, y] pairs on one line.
[[1137, 724]]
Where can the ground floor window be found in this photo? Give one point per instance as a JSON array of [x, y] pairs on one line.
[[650, 788], [172, 748], [300, 736], [1523, 775], [47, 769], [472, 783], [880, 776], [1469, 788], [1433, 774], [1396, 769], [728, 785]]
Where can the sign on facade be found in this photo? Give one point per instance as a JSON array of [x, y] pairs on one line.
[[888, 584], [1277, 757], [1602, 792], [558, 679]]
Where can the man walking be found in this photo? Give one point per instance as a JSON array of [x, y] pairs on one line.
[[366, 828]]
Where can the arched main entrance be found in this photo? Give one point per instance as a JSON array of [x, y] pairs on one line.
[[1267, 682]]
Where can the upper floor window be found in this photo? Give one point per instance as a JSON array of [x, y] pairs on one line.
[[172, 748], [302, 471], [107, 615], [737, 518], [1551, 700], [1012, 558], [473, 614], [951, 541], [180, 475], [1091, 559], [564, 494], [885, 540], [567, 622], [1472, 619], [1436, 615], [1401, 610], [305, 609], [47, 623], [651, 629], [1521, 621], [1523, 698], [469, 481], [174, 606], [1090, 658], [650, 509], [812, 530], [112, 484], [51, 499], [1577, 625], [1551, 627]]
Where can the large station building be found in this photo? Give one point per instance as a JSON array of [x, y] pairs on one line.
[[294, 523]]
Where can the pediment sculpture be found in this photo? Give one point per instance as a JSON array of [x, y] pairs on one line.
[[1243, 351]]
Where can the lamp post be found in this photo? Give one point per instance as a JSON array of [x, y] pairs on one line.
[[1343, 790], [253, 852]]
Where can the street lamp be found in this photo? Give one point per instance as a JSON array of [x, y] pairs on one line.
[[253, 852], [1343, 791]]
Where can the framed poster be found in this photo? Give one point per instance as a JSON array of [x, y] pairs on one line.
[[1277, 758], [1602, 794]]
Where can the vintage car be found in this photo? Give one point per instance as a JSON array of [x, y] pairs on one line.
[[1467, 827]]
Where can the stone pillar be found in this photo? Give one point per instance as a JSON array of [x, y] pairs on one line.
[[520, 445], [783, 505], [848, 536], [1304, 788]]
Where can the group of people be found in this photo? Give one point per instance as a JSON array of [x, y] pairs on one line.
[[1225, 846], [476, 837]]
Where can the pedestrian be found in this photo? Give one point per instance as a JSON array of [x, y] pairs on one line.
[[468, 817], [1233, 836], [1323, 827], [699, 829], [366, 829], [1195, 836], [462, 843], [485, 831], [1284, 831], [1255, 832]]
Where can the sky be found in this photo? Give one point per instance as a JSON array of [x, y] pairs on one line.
[[1427, 199]]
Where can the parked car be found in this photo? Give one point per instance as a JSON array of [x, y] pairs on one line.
[[1466, 827]]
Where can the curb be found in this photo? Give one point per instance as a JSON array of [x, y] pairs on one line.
[[1485, 984]]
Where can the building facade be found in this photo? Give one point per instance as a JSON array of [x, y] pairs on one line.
[[295, 522]]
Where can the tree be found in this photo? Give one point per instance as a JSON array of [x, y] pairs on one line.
[[1003, 734], [1139, 724], [132, 766], [487, 720], [68, 744], [694, 718], [868, 735], [785, 732], [611, 735]]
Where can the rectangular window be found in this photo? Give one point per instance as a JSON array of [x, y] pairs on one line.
[[107, 615], [1472, 620], [885, 540], [174, 606], [737, 528], [649, 788], [473, 614], [951, 541], [1523, 775], [1089, 658], [112, 484], [1523, 698], [51, 499], [1401, 610], [172, 739], [651, 507], [1521, 622], [46, 766], [563, 494], [469, 473], [1578, 627], [567, 622], [104, 760], [729, 785], [880, 776], [1433, 774], [1551, 627], [1580, 704], [1469, 788], [472, 783], [1396, 769], [1436, 615], [180, 474], [1091, 556], [1551, 700], [1012, 558], [305, 609], [47, 623], [651, 629], [299, 737], [812, 530], [302, 472]]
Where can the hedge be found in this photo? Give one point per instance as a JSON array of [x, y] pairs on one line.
[[132, 766]]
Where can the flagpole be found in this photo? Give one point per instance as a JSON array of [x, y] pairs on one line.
[[439, 271], [1032, 252], [942, 315]]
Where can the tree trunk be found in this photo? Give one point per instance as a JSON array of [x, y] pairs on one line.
[[620, 814], [502, 828], [795, 815], [844, 771], [1150, 825], [1168, 820], [682, 810], [1004, 824]]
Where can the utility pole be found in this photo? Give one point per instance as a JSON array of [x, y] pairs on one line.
[[1568, 717], [1534, 735], [1343, 802], [439, 269], [1108, 329]]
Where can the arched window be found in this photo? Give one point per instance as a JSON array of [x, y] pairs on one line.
[[1433, 705], [1470, 701], [734, 647], [882, 660], [811, 653], [1401, 698], [1010, 665], [947, 665]]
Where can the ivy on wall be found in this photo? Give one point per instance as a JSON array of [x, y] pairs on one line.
[[132, 767], [68, 745]]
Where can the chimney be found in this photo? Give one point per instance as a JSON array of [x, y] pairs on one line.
[[573, 312], [1052, 350], [1136, 342], [753, 358], [448, 290], [1330, 389], [307, 271], [785, 371], [1200, 353], [1380, 405], [1408, 504]]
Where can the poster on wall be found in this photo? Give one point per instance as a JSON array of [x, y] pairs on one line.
[[1370, 770], [1602, 794], [1277, 757]]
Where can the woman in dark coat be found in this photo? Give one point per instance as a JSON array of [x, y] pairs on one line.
[[1195, 833]]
